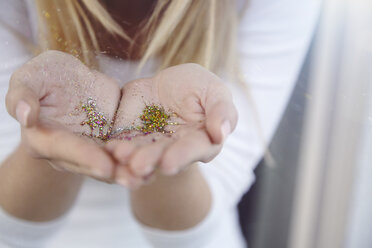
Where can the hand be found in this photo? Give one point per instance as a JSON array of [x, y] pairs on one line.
[[44, 96], [203, 116], [44, 93]]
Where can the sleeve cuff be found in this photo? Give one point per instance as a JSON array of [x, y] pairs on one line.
[[16, 232]]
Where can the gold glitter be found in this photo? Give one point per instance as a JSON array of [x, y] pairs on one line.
[[154, 119], [46, 14]]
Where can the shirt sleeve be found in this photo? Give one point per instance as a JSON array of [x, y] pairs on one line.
[[18, 233], [273, 39], [13, 53], [15, 30]]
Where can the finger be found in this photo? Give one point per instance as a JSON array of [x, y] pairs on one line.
[[126, 178], [111, 145], [72, 168], [120, 150], [145, 159], [188, 149], [56, 166], [64, 146], [221, 114], [149, 178], [22, 103]]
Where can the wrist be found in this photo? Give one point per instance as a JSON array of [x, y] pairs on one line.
[[188, 173], [45, 167], [174, 202], [31, 189]]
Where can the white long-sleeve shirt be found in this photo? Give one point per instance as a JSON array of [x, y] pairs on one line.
[[273, 38]]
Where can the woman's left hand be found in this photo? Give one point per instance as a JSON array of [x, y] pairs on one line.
[[201, 116]]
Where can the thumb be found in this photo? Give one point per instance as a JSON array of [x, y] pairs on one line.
[[23, 104], [221, 118]]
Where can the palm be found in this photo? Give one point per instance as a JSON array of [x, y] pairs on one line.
[[62, 89], [179, 99], [68, 87], [186, 93]]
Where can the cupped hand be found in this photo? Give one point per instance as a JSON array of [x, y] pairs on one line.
[[201, 115], [53, 96], [48, 96]]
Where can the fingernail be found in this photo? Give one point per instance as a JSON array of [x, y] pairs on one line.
[[148, 178], [134, 184], [101, 173], [22, 112], [122, 182], [225, 129], [147, 170]]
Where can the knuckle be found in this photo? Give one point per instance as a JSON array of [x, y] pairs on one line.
[[55, 57], [195, 66], [18, 77], [50, 54]]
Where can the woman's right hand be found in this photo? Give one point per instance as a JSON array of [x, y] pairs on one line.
[[46, 96]]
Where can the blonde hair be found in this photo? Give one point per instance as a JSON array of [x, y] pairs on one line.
[[197, 31]]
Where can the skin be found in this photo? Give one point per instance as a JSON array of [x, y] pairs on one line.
[[44, 92], [202, 104], [27, 181]]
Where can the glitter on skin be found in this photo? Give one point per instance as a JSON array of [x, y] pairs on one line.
[[154, 120], [96, 120], [46, 14]]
